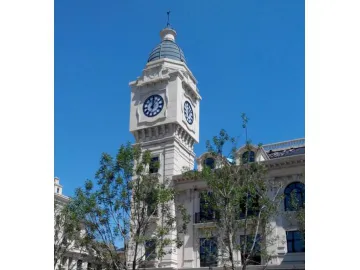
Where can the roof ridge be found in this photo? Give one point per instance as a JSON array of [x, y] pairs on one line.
[[296, 143]]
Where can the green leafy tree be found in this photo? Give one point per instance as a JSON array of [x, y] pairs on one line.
[[244, 202], [129, 206], [67, 232]]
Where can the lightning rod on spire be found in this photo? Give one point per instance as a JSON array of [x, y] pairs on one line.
[[168, 19]]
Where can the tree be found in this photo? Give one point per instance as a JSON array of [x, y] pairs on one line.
[[67, 231], [296, 215], [244, 202], [129, 206]]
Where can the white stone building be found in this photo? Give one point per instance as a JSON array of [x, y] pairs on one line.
[[74, 258], [164, 119]]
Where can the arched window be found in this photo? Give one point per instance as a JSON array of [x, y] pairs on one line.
[[294, 196], [209, 162], [248, 156]]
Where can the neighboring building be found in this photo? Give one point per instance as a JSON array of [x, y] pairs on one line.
[[285, 162], [75, 258], [164, 119]]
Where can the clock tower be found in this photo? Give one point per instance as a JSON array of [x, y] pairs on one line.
[[164, 112]]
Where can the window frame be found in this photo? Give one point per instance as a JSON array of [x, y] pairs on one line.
[[150, 244], [250, 158], [152, 167], [203, 256], [207, 165], [79, 265], [299, 188], [255, 258], [206, 213], [293, 240]]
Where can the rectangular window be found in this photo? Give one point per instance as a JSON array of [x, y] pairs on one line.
[[255, 254], [252, 206], [150, 250], [154, 165], [208, 252], [295, 241], [151, 202], [79, 265], [207, 213]]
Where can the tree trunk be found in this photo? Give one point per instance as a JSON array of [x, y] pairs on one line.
[[135, 255], [231, 255]]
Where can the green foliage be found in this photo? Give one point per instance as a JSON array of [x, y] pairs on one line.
[[128, 206], [243, 200], [67, 230]]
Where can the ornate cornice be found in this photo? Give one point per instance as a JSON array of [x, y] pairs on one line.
[[159, 73], [284, 145], [279, 163], [61, 198], [285, 162]]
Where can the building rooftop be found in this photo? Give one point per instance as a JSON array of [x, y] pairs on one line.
[[286, 152], [167, 47]]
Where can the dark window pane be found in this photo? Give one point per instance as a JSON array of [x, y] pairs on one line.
[[255, 256], [248, 156], [207, 213], [79, 265], [249, 242], [154, 165], [208, 252], [295, 241], [150, 248], [152, 203], [294, 196], [253, 206], [210, 163], [297, 235], [289, 246]]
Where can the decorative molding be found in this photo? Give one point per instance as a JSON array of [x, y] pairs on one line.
[[284, 145], [141, 118], [190, 90], [280, 163], [165, 131], [190, 97]]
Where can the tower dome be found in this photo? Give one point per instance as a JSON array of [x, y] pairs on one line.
[[167, 47]]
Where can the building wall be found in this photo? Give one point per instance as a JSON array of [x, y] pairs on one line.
[[188, 254], [73, 254]]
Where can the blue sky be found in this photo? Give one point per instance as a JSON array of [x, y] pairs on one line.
[[248, 56]]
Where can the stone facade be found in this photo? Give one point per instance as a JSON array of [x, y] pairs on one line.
[[170, 135], [75, 258]]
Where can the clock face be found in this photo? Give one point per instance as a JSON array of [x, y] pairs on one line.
[[188, 112], [153, 105]]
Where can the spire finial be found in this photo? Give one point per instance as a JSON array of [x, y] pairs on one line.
[[168, 19]]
